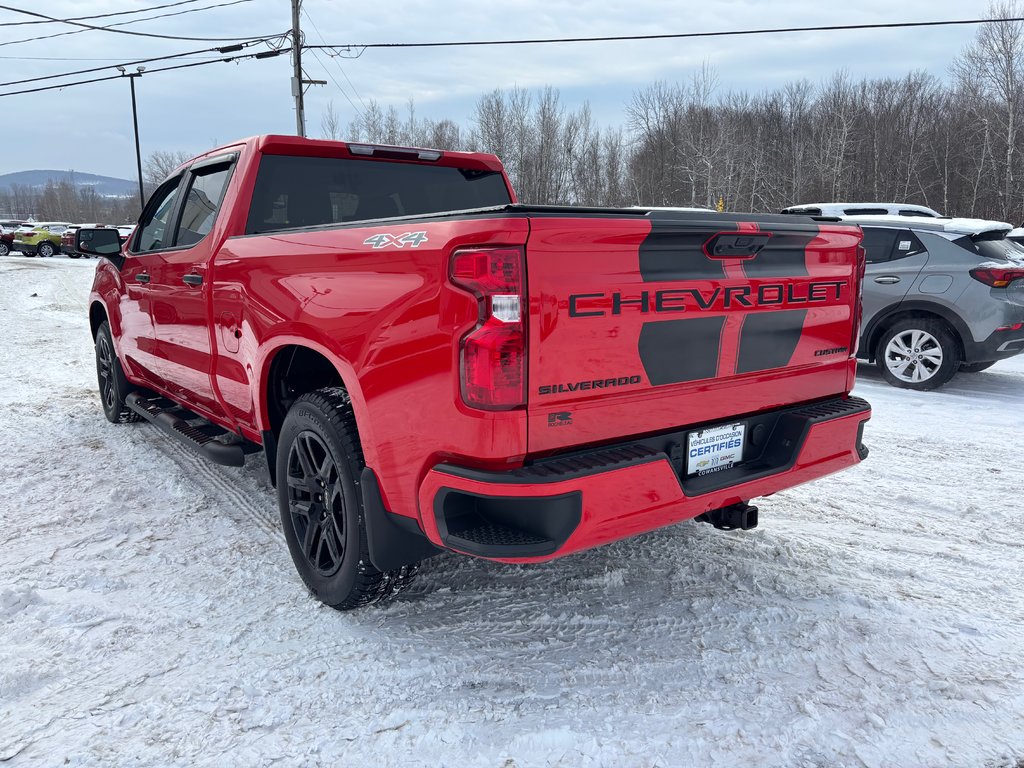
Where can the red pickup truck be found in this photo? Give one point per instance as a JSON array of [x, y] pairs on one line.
[[428, 365]]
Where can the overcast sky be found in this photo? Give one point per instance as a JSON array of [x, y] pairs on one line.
[[89, 128]]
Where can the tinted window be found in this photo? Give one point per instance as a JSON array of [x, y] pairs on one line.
[[309, 191], [993, 250], [202, 203], [153, 228], [917, 213], [878, 244], [907, 244]]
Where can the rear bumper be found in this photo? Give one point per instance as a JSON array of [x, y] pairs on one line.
[[998, 346], [558, 506], [30, 247]]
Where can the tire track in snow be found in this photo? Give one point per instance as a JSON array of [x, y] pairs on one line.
[[222, 488]]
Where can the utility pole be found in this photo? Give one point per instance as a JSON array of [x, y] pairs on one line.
[[297, 84], [135, 120]]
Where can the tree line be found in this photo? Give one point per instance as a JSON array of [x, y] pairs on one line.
[[955, 144], [66, 201]]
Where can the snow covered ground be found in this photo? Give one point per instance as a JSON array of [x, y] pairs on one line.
[[149, 613]]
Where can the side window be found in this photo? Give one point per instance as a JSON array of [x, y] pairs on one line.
[[907, 244], [202, 202], [878, 244], [154, 225]]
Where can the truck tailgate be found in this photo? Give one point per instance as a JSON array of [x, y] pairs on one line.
[[644, 323]]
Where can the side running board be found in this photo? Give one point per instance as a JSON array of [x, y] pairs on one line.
[[216, 444]]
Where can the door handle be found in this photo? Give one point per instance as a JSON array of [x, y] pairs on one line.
[[141, 277], [887, 279], [193, 279]]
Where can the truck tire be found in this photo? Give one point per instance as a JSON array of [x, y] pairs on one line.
[[319, 460], [918, 353], [114, 387], [976, 367]]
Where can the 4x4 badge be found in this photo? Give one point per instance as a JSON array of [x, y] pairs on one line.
[[384, 239]]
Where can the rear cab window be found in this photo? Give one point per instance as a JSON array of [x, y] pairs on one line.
[[201, 203], [293, 191]]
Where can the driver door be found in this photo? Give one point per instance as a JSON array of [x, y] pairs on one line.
[[179, 287], [137, 338]]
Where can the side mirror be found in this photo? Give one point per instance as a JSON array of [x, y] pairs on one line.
[[98, 242]]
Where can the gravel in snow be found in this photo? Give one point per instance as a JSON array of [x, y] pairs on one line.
[[149, 613]]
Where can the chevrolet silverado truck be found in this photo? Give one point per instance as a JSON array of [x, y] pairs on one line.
[[429, 366]]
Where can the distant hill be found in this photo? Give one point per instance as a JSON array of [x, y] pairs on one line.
[[105, 186]]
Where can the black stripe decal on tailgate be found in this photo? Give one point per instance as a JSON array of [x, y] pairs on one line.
[[769, 339], [673, 351], [783, 256], [670, 253]]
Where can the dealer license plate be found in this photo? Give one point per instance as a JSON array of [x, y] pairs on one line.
[[715, 449]]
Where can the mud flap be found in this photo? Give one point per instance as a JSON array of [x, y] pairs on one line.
[[393, 540]]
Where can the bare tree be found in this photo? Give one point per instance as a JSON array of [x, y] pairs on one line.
[[160, 164], [992, 67], [330, 123]]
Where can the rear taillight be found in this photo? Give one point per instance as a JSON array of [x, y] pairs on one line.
[[997, 277], [492, 357]]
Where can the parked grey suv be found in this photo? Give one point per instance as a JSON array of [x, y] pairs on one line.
[[940, 296]]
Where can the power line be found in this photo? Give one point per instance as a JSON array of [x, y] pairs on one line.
[[260, 55], [675, 36], [99, 16], [123, 23], [338, 64], [336, 83], [68, 58], [222, 49]]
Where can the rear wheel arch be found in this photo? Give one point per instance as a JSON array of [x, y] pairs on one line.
[[909, 310], [291, 371]]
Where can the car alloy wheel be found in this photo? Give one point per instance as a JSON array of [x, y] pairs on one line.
[[105, 371], [316, 503], [913, 356]]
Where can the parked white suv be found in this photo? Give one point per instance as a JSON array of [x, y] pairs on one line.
[[861, 209]]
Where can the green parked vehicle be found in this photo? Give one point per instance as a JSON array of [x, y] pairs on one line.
[[42, 238]]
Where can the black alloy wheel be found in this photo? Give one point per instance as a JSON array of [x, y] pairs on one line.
[[316, 503], [319, 463], [113, 384]]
